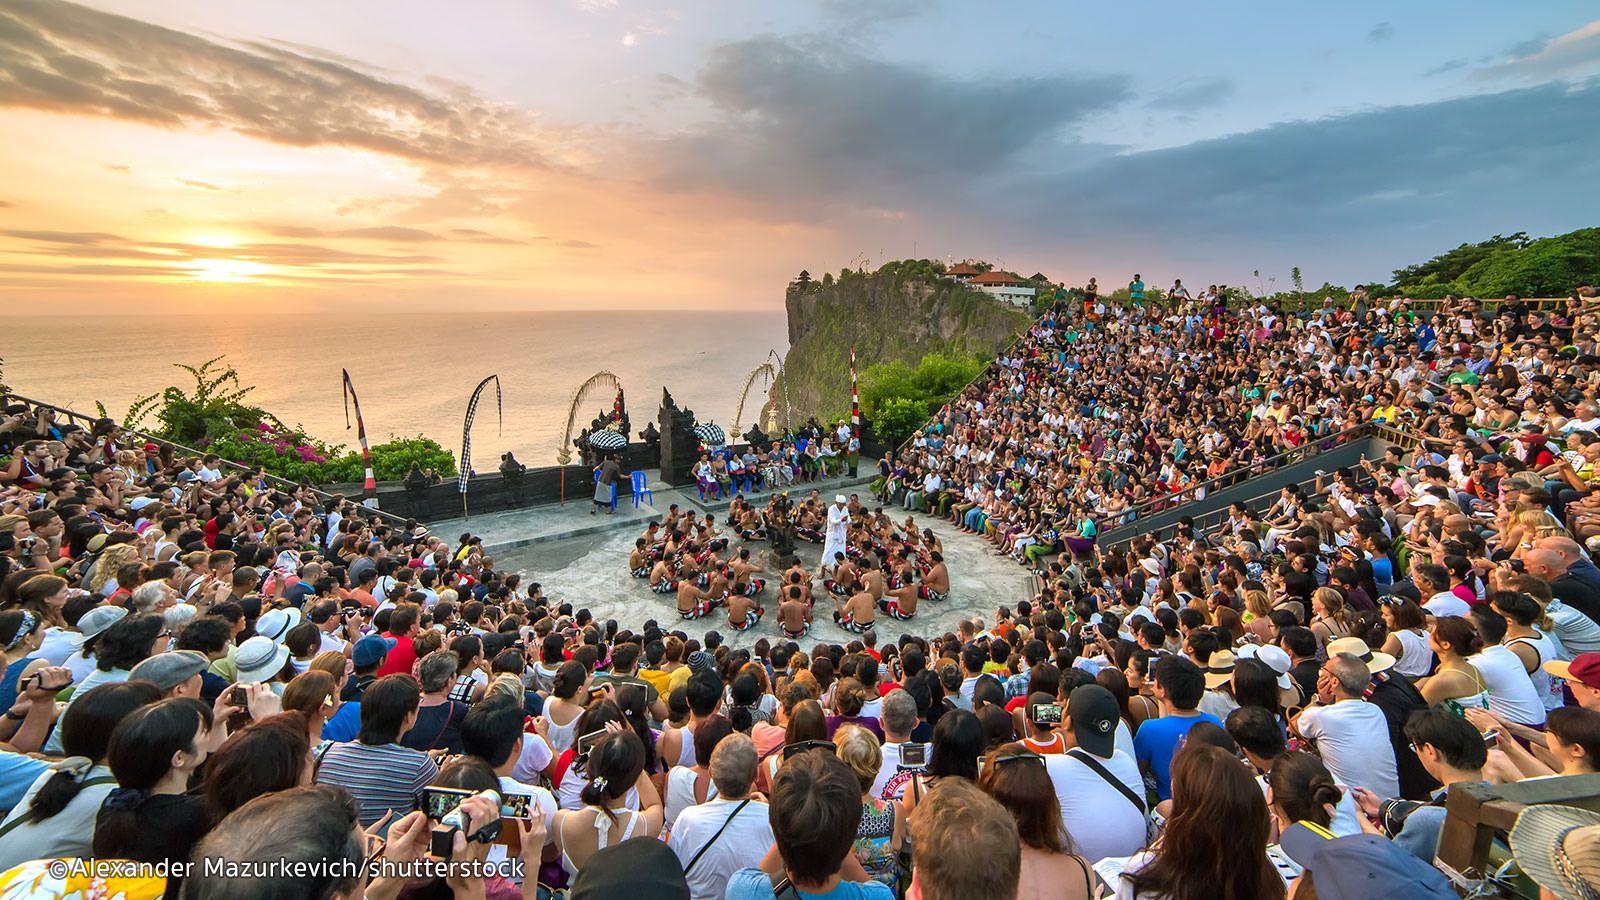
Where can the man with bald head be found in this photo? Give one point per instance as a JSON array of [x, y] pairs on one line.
[[1578, 563], [1549, 566]]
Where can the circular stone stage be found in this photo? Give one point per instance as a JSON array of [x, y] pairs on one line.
[[591, 571]]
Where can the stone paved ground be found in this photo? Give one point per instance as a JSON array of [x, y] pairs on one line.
[[591, 570]]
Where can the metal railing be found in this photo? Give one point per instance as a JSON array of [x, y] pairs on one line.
[[89, 421], [1310, 448]]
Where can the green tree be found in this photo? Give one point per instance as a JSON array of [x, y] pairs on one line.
[[1299, 282], [899, 418]]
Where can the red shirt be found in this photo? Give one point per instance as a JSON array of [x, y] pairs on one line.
[[402, 657]]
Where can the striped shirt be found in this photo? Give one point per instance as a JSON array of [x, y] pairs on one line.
[[381, 777]]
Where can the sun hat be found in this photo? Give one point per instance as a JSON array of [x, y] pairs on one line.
[[1376, 660], [1219, 669], [259, 658], [371, 650], [1275, 658], [1559, 848], [1584, 669], [1362, 866], [168, 670], [96, 543], [276, 623], [96, 620]]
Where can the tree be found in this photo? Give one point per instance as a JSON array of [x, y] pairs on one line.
[[1294, 275], [899, 418], [803, 283]]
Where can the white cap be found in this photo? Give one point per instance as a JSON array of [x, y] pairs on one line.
[[840, 498]]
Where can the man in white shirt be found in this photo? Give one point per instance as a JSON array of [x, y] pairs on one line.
[[721, 836], [899, 719], [492, 731], [1433, 582], [1352, 735], [1105, 819]]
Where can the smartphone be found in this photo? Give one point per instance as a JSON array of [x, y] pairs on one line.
[[237, 696], [438, 802], [1490, 739], [913, 756], [586, 742], [1044, 713], [516, 806]]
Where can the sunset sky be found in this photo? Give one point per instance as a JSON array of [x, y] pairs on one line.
[[190, 155]]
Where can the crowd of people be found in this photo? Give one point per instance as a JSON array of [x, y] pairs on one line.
[[803, 455], [261, 691]]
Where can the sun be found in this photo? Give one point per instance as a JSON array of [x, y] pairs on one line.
[[230, 271]]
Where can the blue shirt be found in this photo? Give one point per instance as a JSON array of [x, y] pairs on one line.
[[18, 772], [754, 884], [345, 723], [1159, 739]]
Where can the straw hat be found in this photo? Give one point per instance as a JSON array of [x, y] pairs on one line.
[[1219, 669], [1559, 848], [1376, 660]]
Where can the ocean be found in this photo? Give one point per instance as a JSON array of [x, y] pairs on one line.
[[413, 371]]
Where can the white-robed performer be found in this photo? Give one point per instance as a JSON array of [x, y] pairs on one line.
[[835, 539]]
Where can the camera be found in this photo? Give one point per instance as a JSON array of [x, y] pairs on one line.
[[913, 756], [443, 805]]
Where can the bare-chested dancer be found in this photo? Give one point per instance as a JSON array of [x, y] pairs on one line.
[[857, 613], [794, 613]]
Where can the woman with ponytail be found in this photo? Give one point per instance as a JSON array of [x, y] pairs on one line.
[[615, 766], [151, 817], [56, 816], [1303, 790]]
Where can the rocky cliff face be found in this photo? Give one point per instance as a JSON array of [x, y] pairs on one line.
[[901, 312]]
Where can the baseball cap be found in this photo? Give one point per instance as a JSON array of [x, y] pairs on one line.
[[276, 623], [99, 619], [168, 670], [1094, 713], [1558, 847], [371, 650], [1360, 866], [1584, 669]]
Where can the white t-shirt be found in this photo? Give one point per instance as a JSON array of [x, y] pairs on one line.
[[887, 772], [1353, 739], [680, 792], [331, 641], [1446, 603], [1100, 819], [743, 844], [1512, 695], [58, 645]]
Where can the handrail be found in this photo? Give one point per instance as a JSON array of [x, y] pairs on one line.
[[1272, 462], [146, 436]]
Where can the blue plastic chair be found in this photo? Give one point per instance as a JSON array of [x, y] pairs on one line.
[[641, 488]]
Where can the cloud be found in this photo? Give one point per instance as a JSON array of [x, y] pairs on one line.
[[393, 233], [1381, 32], [596, 5], [1569, 55], [1508, 157], [122, 169], [1449, 65], [1194, 93], [63, 57], [205, 185], [868, 13], [6, 204], [630, 39], [577, 245], [104, 245], [808, 121]]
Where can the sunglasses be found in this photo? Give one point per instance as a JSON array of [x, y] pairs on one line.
[[802, 746]]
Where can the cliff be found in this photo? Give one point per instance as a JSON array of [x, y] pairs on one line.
[[902, 312]]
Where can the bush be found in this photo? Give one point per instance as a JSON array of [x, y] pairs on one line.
[[214, 417], [898, 399]]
